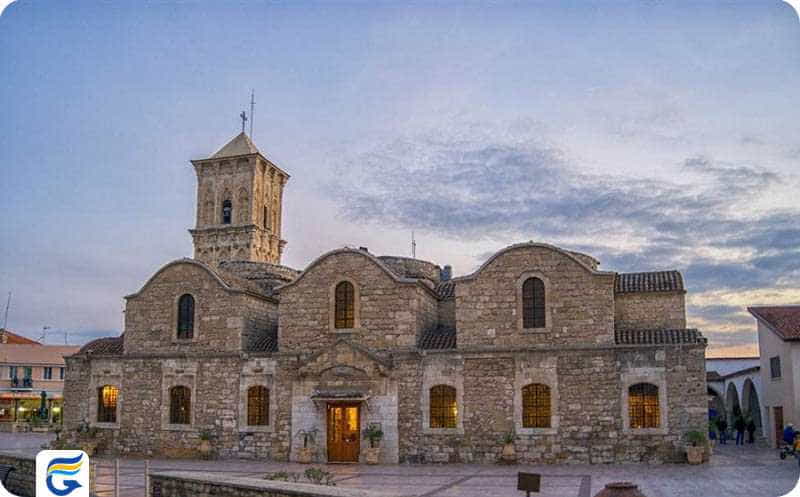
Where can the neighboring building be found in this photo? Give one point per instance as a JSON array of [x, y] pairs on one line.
[[779, 347], [28, 368], [734, 388], [583, 365]]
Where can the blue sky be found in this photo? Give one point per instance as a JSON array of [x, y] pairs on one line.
[[653, 135]]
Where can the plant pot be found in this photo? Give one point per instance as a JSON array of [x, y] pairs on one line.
[[694, 455], [509, 454], [372, 455], [305, 455], [204, 449]]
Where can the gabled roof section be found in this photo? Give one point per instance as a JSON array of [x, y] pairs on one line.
[[241, 144], [229, 281], [565, 253], [648, 282], [784, 320], [35, 354], [9, 337], [365, 254]]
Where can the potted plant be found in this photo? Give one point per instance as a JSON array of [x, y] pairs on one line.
[[305, 454], [509, 454], [204, 448], [374, 434], [696, 448]]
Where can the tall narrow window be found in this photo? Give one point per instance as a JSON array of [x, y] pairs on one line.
[[12, 372], [265, 217], [536, 406], [643, 409], [107, 396], [180, 405], [48, 373], [186, 316], [257, 406], [227, 212], [533, 303], [345, 305], [775, 367], [444, 409]]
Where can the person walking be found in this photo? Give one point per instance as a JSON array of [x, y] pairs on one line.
[[788, 434], [739, 425], [751, 430], [722, 425]]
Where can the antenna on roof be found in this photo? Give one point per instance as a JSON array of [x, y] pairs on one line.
[[8, 304], [252, 110], [413, 246], [243, 117], [43, 338]]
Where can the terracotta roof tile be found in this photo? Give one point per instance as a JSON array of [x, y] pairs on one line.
[[438, 338], [35, 354], [7, 336], [654, 281], [446, 289], [658, 337], [782, 319], [105, 346]]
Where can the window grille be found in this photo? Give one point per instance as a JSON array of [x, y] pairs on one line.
[[643, 409], [257, 406], [536, 406], [444, 409], [533, 315], [180, 405], [345, 305]]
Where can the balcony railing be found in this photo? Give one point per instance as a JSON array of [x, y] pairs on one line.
[[22, 383]]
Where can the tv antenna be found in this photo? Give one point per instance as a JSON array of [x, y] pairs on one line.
[[8, 304], [243, 117], [413, 246], [43, 338], [252, 110]]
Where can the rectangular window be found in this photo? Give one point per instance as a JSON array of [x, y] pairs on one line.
[[61, 374], [775, 366], [27, 372], [48, 373], [12, 372]]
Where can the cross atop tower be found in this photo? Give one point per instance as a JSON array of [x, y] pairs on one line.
[[243, 117]]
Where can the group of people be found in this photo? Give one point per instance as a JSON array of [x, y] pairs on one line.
[[740, 425]]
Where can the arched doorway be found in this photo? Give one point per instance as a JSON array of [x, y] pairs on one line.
[[751, 407], [732, 405]]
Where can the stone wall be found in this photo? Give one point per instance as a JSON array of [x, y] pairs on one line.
[[579, 302], [412, 268], [21, 481], [388, 313], [180, 484], [222, 317], [653, 310]]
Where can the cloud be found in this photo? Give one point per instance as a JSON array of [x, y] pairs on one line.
[[495, 183]]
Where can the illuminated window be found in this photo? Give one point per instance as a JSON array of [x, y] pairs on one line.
[[186, 316], [536, 406], [107, 397], [444, 410], [180, 405], [345, 305], [643, 409], [257, 406], [533, 303]]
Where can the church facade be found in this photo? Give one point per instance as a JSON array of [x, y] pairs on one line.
[[577, 363]]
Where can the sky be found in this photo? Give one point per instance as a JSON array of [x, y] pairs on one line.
[[649, 134]]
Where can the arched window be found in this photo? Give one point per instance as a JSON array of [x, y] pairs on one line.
[[186, 316], [444, 409], [227, 212], [533, 303], [266, 218], [107, 396], [643, 410], [180, 405], [257, 406], [536, 406], [345, 305]]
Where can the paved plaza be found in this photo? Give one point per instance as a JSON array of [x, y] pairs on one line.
[[734, 472]]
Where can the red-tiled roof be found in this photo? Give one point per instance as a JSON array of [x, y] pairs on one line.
[[105, 346], [782, 319], [6, 336]]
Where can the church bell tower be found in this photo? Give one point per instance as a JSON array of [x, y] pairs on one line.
[[239, 205]]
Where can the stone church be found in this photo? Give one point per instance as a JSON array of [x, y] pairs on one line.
[[580, 364]]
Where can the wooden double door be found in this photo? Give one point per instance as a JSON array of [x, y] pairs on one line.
[[344, 433]]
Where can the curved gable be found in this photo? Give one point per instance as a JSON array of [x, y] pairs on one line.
[[229, 282], [518, 246], [362, 253]]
